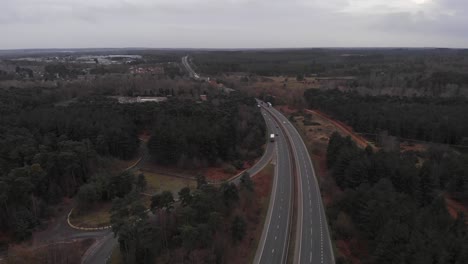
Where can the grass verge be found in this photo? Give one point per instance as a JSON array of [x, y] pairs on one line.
[[264, 179], [98, 216], [116, 256]]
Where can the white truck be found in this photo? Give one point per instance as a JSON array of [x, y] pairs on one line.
[[269, 104], [272, 137]]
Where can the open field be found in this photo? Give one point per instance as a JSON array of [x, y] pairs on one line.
[[98, 216], [158, 182]]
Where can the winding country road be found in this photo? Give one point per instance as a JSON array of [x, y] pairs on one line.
[[102, 249]]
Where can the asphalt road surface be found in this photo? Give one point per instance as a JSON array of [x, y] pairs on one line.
[[313, 243], [269, 150], [187, 66], [101, 251], [273, 245]]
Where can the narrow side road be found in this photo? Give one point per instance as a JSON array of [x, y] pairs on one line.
[[101, 251]]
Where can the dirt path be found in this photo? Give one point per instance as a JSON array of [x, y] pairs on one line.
[[362, 142]]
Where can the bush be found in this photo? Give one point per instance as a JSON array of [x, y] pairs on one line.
[[87, 195], [238, 228], [229, 169], [311, 123], [239, 164]]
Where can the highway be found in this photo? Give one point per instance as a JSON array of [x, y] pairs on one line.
[[312, 238], [274, 242], [187, 66]]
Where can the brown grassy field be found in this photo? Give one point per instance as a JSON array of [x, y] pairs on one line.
[[157, 182], [98, 216]]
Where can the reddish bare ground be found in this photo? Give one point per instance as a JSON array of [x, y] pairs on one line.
[[361, 141], [329, 188], [455, 207], [253, 210], [349, 248], [212, 174], [217, 174], [286, 109], [144, 136], [338, 125], [414, 147]]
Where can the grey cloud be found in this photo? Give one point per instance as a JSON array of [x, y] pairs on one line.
[[229, 23], [445, 25]]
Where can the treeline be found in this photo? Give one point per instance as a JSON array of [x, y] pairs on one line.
[[441, 120], [268, 63], [48, 152], [395, 206], [431, 72], [105, 186], [6, 76], [332, 62], [60, 70], [188, 134], [198, 229]]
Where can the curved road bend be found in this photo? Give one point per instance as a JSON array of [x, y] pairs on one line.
[[267, 154], [313, 243], [274, 242], [101, 251]]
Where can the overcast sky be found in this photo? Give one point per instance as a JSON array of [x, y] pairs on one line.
[[233, 23]]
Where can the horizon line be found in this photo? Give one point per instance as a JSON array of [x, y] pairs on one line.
[[231, 49]]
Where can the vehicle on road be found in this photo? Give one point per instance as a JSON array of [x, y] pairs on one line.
[[272, 137]]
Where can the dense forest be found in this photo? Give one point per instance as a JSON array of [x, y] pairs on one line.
[[198, 229], [49, 150], [441, 120], [416, 71], [393, 207], [188, 134]]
